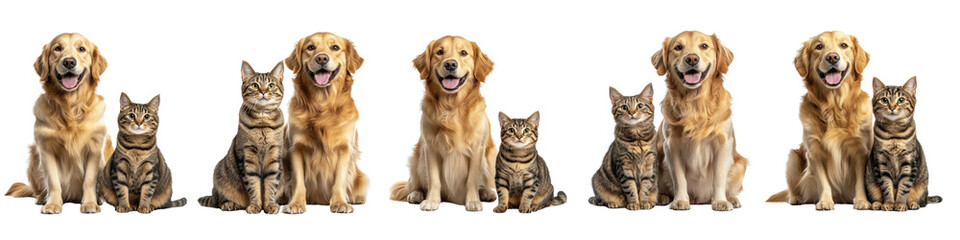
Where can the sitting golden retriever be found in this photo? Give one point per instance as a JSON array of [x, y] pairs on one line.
[[320, 166], [454, 160], [696, 140], [829, 166], [70, 138]]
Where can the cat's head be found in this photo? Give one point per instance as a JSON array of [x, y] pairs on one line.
[[262, 91], [632, 110], [894, 102], [519, 132], [138, 119]]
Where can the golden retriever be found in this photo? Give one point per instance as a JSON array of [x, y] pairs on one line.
[[696, 138], [454, 159], [321, 162], [829, 166], [70, 138]]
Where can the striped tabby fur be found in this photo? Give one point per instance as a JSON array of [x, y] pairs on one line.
[[136, 176], [523, 180], [628, 176], [249, 176], [896, 174]]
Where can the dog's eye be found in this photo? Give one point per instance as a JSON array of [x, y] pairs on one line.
[[132, 116], [883, 100], [819, 46], [703, 46], [463, 53], [624, 107], [678, 47], [335, 47], [82, 49], [440, 52], [311, 48], [58, 48], [900, 100], [843, 45]]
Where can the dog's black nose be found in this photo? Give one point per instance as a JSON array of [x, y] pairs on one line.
[[833, 58], [691, 59], [69, 63], [450, 65], [322, 58]]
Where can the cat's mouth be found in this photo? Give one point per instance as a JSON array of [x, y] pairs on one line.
[[693, 77], [832, 77], [138, 130], [322, 77], [518, 143], [450, 82], [69, 80], [892, 115]]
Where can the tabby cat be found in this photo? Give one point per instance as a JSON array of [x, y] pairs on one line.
[[136, 175], [523, 180], [896, 174], [248, 177], [628, 176]]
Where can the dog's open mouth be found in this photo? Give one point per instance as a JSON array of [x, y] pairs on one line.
[[322, 77], [451, 82], [833, 77], [693, 77], [70, 80]]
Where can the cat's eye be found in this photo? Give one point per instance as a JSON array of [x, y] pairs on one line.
[[440, 52], [819, 46], [335, 47], [678, 47], [526, 130], [58, 48], [639, 106], [311, 48], [511, 130], [900, 100], [145, 117], [256, 85], [843, 45], [624, 107], [132, 116], [703, 46], [82, 49], [463, 53], [884, 100]]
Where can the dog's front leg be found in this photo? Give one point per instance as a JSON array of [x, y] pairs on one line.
[[818, 156], [298, 200], [681, 199], [433, 183], [474, 179], [54, 203], [338, 200], [858, 157], [723, 159], [88, 202]]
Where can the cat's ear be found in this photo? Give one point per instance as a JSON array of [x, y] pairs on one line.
[[277, 71], [911, 85], [877, 85], [422, 62], [154, 103], [504, 119], [124, 100], [647, 92], [246, 71], [615, 95], [534, 119]]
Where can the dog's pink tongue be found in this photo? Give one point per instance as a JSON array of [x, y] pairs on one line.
[[691, 78], [70, 81], [322, 78], [450, 83], [833, 78]]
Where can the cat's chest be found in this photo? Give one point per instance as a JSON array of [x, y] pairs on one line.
[[895, 150], [136, 160]]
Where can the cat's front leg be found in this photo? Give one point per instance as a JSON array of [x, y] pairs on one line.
[[251, 178], [503, 193], [118, 178], [530, 187], [147, 189], [628, 181], [903, 187], [271, 181]]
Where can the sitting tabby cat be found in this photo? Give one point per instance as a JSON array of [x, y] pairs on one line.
[[249, 176], [896, 174], [523, 180], [136, 175], [628, 176]]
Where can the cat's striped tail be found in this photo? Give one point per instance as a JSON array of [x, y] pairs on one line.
[[561, 198], [209, 201], [172, 204], [934, 199]]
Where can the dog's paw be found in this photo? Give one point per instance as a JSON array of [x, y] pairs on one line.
[[876, 206], [51, 208], [722, 205], [825, 205], [415, 197], [500, 208], [145, 209], [633, 206], [429, 205], [90, 208], [794, 200], [229, 206], [861, 204], [900, 207], [473, 206], [734, 201], [340, 207], [122, 209], [913, 205], [680, 205], [488, 195], [647, 205], [295, 208], [253, 209]]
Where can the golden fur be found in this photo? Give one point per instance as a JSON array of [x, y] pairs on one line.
[[696, 137], [70, 138], [829, 166], [454, 159], [321, 164]]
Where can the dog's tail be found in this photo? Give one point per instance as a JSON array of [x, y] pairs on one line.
[[934, 199], [778, 197], [172, 204], [398, 192], [209, 201], [561, 198], [20, 190]]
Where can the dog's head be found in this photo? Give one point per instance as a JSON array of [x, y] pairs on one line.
[[68, 62], [323, 59], [827, 60], [452, 63], [692, 58]]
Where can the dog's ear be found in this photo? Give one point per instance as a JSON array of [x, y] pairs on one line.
[[293, 61], [99, 64], [246, 71], [877, 85], [124, 100], [911, 85], [862, 57], [659, 58], [724, 55], [422, 62], [41, 65], [482, 64], [154, 103], [504, 119], [615, 95], [647, 92], [277, 71], [534, 119], [354, 61], [802, 60]]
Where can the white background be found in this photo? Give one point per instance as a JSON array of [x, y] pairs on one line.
[[555, 57]]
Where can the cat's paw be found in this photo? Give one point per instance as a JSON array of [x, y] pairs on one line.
[[680, 205], [295, 208], [271, 209], [913, 205], [340, 207], [613, 204], [900, 207], [525, 209], [52, 208], [122, 209], [722, 205], [633, 206], [90, 208], [877, 206], [888, 206], [861, 204], [145, 209], [429, 205], [647, 205], [473, 206], [415, 197], [488, 195], [734, 201], [825, 205], [500, 208], [229, 206], [253, 209]]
